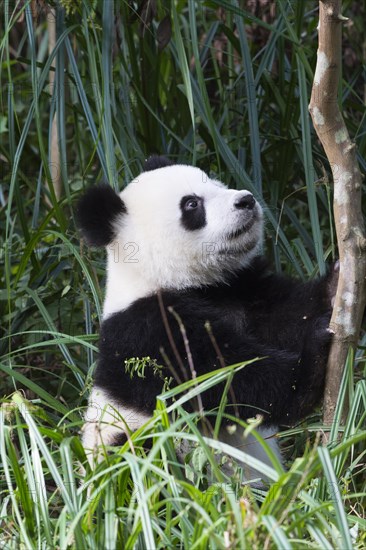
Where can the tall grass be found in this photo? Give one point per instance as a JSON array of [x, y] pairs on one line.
[[228, 92]]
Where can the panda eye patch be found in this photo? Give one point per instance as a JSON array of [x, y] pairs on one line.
[[193, 212]]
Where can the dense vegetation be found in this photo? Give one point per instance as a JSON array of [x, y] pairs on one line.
[[220, 84]]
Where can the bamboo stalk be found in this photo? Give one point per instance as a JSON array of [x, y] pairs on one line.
[[341, 152]]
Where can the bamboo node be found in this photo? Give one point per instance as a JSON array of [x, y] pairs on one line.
[[349, 147], [361, 242]]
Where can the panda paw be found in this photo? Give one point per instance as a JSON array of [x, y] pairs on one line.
[[322, 333]]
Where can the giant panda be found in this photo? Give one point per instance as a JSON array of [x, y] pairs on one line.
[[181, 245]]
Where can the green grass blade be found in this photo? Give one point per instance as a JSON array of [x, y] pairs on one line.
[[309, 169], [277, 533], [184, 70], [252, 107], [9, 465], [335, 494], [86, 107]]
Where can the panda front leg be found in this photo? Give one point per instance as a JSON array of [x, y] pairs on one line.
[[283, 386], [106, 421]]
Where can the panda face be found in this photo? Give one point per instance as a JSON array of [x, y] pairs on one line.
[[176, 228]]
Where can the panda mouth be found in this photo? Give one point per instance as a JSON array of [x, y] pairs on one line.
[[238, 251], [241, 230]]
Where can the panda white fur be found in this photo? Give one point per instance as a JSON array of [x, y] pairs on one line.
[[176, 233]]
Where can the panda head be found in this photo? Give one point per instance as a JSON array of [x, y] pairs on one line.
[[171, 228]]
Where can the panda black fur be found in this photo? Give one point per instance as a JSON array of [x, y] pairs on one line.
[[177, 238]]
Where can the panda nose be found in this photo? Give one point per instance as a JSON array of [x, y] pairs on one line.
[[245, 201]]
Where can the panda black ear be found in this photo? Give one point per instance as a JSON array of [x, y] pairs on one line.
[[156, 161], [96, 213]]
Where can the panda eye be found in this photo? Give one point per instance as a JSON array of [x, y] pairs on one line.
[[193, 212], [191, 204]]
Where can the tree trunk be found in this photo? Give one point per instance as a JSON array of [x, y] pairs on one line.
[[341, 153]]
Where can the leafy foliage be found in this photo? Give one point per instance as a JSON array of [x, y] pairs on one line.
[[220, 84]]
